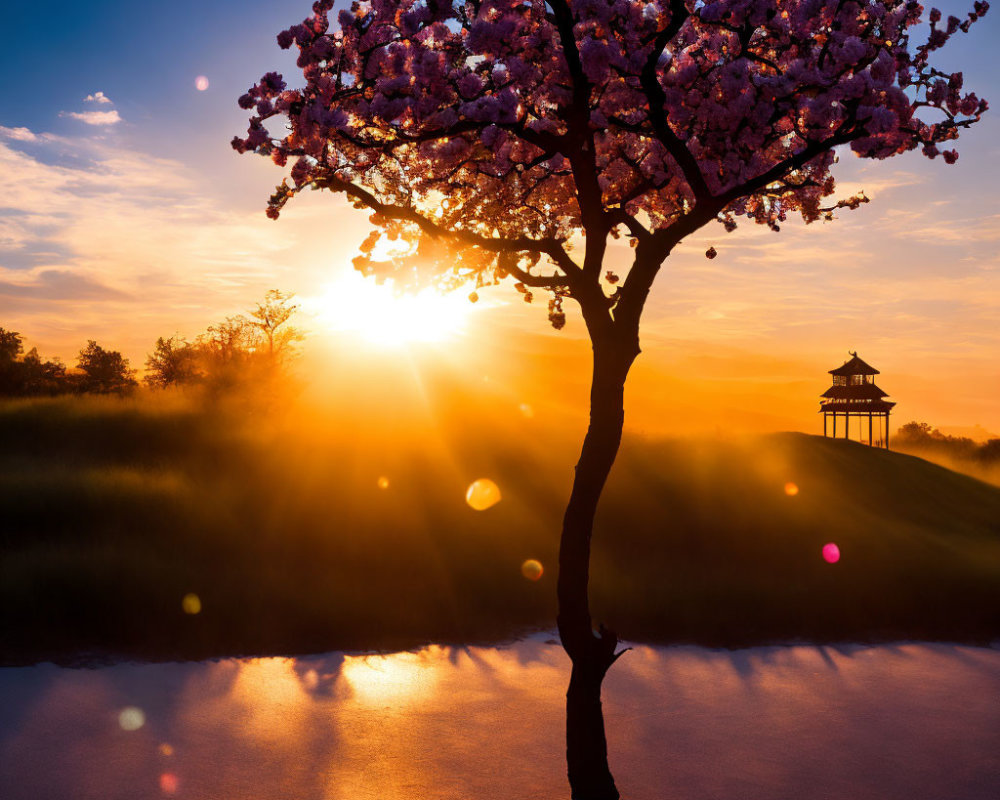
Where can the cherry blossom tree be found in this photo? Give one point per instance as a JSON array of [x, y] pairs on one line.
[[490, 136]]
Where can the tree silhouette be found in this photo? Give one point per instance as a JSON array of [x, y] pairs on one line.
[[40, 377], [490, 133], [104, 371], [270, 318], [11, 346], [27, 375], [228, 342], [173, 362]]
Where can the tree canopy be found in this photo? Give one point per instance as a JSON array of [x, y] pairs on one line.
[[104, 371], [509, 126]]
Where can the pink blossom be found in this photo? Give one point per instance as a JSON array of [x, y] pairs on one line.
[[414, 100]]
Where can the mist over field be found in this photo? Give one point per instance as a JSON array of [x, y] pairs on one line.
[[302, 527]]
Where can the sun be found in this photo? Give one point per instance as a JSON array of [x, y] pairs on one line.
[[381, 315]]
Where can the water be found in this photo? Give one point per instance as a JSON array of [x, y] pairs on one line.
[[908, 721]]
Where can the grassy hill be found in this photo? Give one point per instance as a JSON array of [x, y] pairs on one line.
[[112, 511]]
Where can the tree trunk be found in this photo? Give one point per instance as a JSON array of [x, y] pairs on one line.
[[592, 654]]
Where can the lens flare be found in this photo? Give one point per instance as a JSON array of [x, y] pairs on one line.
[[201, 83], [791, 489], [831, 553], [383, 482], [527, 410], [169, 783], [131, 718], [191, 603], [532, 569], [482, 494]]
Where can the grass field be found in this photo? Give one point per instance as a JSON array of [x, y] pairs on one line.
[[111, 511]]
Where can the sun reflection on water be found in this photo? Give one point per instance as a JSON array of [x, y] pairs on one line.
[[391, 679]]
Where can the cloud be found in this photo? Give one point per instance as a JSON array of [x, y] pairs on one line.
[[102, 239], [55, 284], [950, 231], [17, 134], [94, 117], [97, 97]]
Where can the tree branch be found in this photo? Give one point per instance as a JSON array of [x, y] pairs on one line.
[[656, 98], [782, 168], [548, 246]]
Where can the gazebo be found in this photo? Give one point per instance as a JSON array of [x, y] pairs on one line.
[[854, 394]]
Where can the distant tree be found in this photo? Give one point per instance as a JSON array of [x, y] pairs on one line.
[[43, 377], [918, 432], [10, 346], [173, 362], [229, 342], [270, 318], [10, 369], [500, 137], [989, 451], [28, 375], [924, 437], [104, 371]]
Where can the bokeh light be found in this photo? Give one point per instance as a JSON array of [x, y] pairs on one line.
[[532, 569], [383, 482], [166, 749], [169, 783], [831, 553], [791, 489], [482, 494], [201, 83], [131, 718], [191, 603]]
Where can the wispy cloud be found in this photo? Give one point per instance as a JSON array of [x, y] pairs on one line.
[[54, 284], [99, 239], [17, 134], [111, 117]]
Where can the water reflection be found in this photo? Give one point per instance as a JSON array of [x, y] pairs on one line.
[[890, 722]]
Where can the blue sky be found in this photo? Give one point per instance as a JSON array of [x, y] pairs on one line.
[[151, 224]]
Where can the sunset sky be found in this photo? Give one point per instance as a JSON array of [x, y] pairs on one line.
[[126, 216]]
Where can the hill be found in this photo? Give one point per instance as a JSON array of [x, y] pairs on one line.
[[113, 511]]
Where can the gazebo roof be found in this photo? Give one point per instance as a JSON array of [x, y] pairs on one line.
[[864, 391], [856, 407], [855, 367]]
